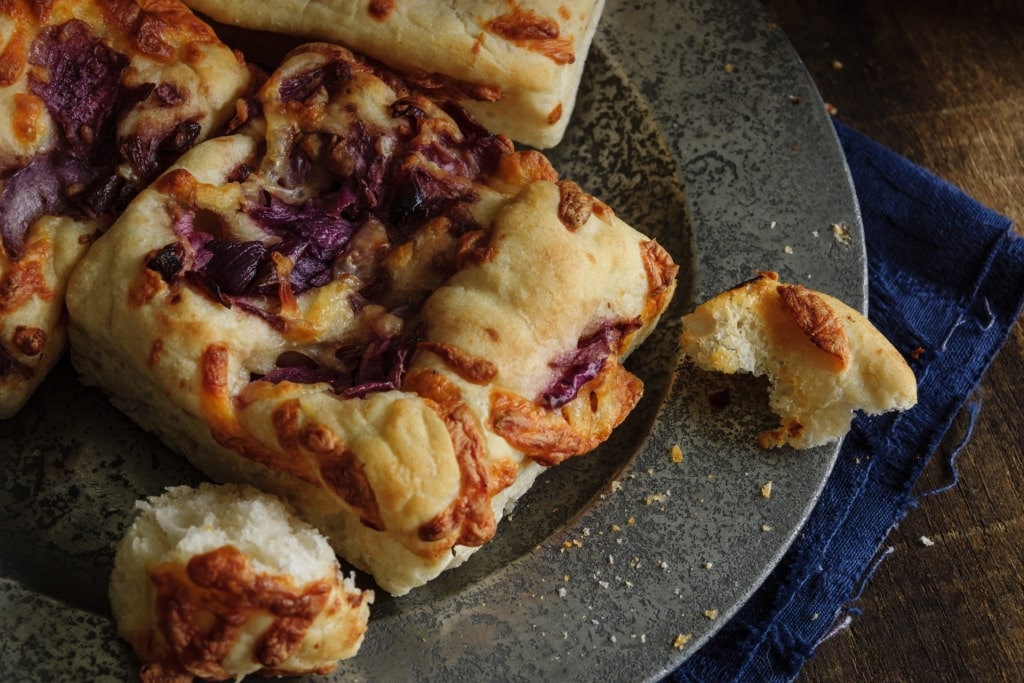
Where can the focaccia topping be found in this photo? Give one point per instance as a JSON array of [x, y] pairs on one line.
[[381, 203]]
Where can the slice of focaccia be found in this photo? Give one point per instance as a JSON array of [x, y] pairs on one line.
[[96, 98], [823, 359], [366, 303], [518, 64]]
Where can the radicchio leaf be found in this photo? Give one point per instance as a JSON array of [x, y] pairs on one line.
[[584, 363], [28, 193], [82, 84], [232, 266], [379, 366]]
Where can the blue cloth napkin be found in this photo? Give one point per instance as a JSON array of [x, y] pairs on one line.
[[946, 284]]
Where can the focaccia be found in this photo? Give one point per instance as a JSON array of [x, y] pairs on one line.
[[517, 64], [365, 302], [824, 360], [96, 98]]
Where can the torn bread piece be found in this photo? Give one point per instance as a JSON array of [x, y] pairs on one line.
[[219, 582], [517, 65], [368, 304], [824, 360]]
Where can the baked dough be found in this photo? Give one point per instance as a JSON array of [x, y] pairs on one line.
[[824, 360], [368, 304], [96, 98], [517, 64], [220, 582]]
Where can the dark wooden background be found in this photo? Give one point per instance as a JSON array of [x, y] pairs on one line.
[[942, 83]]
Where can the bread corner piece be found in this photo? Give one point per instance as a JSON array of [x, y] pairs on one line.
[[823, 359], [219, 582], [516, 66]]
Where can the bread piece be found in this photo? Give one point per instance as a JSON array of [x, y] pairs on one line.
[[517, 65], [220, 582], [824, 360], [370, 305], [96, 98]]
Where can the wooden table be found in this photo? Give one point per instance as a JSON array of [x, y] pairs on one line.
[[942, 83]]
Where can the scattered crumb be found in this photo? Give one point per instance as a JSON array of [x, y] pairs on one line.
[[616, 485], [729, 68], [709, 565], [925, 541], [766, 528], [655, 498], [631, 521], [917, 353], [831, 109], [677, 454], [711, 614], [842, 234], [814, 617], [766, 491], [794, 99], [837, 65], [788, 249], [616, 527], [682, 640]]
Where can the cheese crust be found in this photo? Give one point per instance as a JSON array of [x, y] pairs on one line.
[[366, 303]]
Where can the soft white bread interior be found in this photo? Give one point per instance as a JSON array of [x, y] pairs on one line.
[[223, 581], [823, 359]]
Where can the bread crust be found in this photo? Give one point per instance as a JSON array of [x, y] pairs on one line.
[[520, 62]]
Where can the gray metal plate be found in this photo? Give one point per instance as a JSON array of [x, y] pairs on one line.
[[698, 124]]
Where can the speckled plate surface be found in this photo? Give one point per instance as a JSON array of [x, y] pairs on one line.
[[697, 122]]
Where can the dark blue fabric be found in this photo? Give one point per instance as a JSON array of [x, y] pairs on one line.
[[946, 279]]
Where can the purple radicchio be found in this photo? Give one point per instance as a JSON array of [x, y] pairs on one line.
[[577, 367], [83, 83], [378, 366]]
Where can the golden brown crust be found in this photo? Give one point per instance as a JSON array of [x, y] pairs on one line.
[[817, 320], [548, 435]]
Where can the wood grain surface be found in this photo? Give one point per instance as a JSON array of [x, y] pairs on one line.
[[942, 83]]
